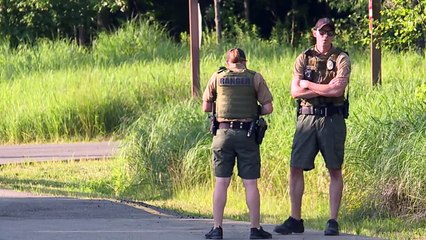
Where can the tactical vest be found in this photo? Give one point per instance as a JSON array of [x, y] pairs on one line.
[[321, 69], [236, 96]]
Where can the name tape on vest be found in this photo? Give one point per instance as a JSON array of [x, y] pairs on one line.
[[231, 81]]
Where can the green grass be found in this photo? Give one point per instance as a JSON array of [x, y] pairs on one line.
[[67, 178], [127, 89]]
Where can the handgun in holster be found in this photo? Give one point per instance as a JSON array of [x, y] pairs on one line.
[[345, 109], [298, 107], [262, 126], [258, 127], [214, 124]]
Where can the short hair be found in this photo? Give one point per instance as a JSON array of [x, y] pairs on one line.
[[235, 55]]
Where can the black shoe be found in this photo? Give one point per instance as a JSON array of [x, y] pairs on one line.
[[332, 228], [215, 233], [290, 226], [259, 233]]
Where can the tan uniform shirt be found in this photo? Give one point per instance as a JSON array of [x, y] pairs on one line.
[[343, 66], [264, 96]]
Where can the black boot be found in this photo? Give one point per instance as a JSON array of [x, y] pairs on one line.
[[215, 233], [332, 228], [259, 233], [290, 226]]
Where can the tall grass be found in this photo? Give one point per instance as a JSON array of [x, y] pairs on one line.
[[94, 103], [134, 85], [166, 150], [57, 91], [44, 56]]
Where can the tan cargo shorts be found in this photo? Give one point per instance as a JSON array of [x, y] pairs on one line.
[[233, 144], [318, 134]]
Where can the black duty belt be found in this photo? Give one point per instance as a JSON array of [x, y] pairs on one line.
[[321, 111], [235, 125]]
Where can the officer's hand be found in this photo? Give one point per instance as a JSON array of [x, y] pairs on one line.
[[304, 84]]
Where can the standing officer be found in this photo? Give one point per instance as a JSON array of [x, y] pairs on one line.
[[320, 76], [233, 93]]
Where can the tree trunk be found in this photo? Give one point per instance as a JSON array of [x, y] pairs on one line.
[[133, 8], [217, 21], [293, 30], [81, 32], [102, 20], [247, 9], [293, 23], [420, 42]]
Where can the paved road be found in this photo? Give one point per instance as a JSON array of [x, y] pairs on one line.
[[49, 152], [24, 216]]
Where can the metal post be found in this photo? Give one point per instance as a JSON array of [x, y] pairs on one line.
[[375, 50], [194, 47]]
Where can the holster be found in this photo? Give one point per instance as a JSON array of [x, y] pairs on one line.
[[214, 125], [261, 128], [298, 106], [345, 109]]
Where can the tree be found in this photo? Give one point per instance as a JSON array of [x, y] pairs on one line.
[[247, 10], [217, 20], [28, 20], [420, 43], [401, 25]]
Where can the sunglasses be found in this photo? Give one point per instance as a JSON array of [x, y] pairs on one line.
[[330, 33]]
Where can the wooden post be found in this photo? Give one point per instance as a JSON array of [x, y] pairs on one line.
[[375, 50], [194, 47]]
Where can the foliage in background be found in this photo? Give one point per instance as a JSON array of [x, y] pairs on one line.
[[139, 40], [136, 41], [401, 28], [286, 22], [403, 24], [25, 21]]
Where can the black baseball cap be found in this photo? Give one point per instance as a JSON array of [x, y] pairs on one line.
[[324, 22]]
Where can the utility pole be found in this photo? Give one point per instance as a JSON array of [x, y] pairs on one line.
[[194, 33], [375, 50]]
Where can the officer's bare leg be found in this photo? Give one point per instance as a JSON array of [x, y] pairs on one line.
[[253, 201], [336, 188], [219, 199], [297, 187]]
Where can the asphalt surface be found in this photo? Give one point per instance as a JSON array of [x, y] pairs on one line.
[[52, 152], [25, 216]]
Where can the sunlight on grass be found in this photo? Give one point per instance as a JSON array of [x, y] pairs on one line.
[[70, 178]]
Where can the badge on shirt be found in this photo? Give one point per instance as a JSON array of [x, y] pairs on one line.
[[312, 63], [330, 65]]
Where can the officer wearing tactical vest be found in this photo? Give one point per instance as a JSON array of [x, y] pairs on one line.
[[320, 76], [233, 94]]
